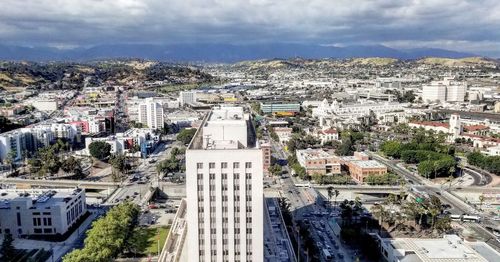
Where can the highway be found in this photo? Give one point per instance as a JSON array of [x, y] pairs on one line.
[[424, 185], [60, 183]]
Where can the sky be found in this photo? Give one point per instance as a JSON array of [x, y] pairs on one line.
[[469, 26]]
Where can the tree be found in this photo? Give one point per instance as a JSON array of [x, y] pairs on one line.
[[186, 135], [275, 170], [100, 149], [481, 201], [11, 156], [391, 148], [72, 165], [330, 192], [119, 162], [7, 249], [108, 235], [336, 194]]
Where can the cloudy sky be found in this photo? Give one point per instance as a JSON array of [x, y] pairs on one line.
[[471, 26]]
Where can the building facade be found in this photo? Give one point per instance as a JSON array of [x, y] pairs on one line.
[[187, 97], [40, 212], [151, 114], [224, 186]]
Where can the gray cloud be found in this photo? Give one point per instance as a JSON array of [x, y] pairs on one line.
[[464, 25]]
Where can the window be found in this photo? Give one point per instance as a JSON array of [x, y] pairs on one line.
[[236, 165], [47, 230], [223, 165], [38, 230], [211, 165], [199, 165], [19, 219], [248, 165]]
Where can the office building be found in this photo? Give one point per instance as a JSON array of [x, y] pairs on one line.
[[151, 114], [317, 161], [456, 93], [434, 93], [11, 145], [40, 212], [187, 97], [224, 187], [280, 108]]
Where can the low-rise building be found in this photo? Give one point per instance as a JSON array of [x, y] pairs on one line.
[[318, 161], [448, 248], [359, 166], [284, 134], [280, 108], [40, 212]]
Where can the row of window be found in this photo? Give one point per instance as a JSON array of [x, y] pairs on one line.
[[224, 165]]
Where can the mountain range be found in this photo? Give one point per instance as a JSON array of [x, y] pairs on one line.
[[217, 52]]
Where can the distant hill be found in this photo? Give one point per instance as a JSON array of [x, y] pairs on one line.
[[65, 75], [218, 52], [458, 62]]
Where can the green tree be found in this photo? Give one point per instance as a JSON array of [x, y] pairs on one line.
[[7, 249], [72, 165], [275, 170], [100, 149], [108, 235], [185, 135]]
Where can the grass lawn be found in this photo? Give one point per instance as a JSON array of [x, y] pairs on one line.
[[145, 239], [153, 247]]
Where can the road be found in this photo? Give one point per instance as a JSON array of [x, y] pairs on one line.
[[424, 185], [305, 207]]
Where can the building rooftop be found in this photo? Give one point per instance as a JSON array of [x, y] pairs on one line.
[[368, 163], [430, 123], [40, 198], [312, 154], [225, 127], [448, 248]]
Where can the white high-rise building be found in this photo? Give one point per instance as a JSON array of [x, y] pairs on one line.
[[434, 92], [456, 93], [151, 114], [187, 97], [224, 176]]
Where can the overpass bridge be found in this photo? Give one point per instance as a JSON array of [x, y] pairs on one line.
[[366, 189], [58, 183]]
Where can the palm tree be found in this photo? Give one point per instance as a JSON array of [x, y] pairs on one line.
[[330, 192], [481, 201], [336, 194]]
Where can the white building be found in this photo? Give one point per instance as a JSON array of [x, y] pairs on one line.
[[224, 176], [448, 248], [151, 114], [360, 109], [11, 142], [46, 105], [446, 90], [434, 93], [456, 93], [40, 212], [187, 97]]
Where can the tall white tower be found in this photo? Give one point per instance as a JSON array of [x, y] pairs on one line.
[[455, 126], [151, 114], [224, 173]]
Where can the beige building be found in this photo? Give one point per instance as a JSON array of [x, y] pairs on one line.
[[317, 161]]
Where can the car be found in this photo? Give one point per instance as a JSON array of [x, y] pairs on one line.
[[496, 218]]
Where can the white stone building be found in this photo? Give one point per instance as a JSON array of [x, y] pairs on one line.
[[151, 114], [40, 212], [224, 186]]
